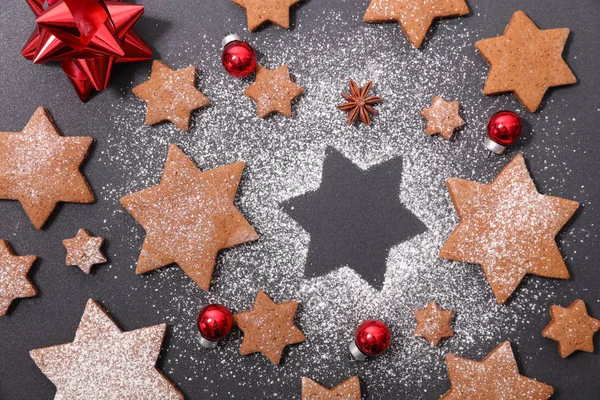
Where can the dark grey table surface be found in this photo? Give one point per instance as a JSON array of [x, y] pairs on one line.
[[327, 44]]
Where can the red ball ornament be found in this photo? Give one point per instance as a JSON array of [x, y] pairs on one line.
[[239, 58], [214, 323], [372, 338], [503, 129]]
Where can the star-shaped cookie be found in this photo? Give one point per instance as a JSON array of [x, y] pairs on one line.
[[171, 95], [39, 167], [347, 390], [508, 228], [105, 363], [572, 328], [189, 217], [84, 250], [526, 61], [268, 327], [14, 283], [497, 377], [433, 323], [442, 118], [262, 11], [273, 91], [414, 16]]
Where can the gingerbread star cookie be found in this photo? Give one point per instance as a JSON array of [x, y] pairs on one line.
[[189, 217], [262, 11], [496, 377], [508, 228], [84, 250], [171, 95], [526, 61], [14, 283], [433, 323], [442, 118], [273, 91], [414, 16], [347, 390], [268, 327], [39, 167], [105, 363], [572, 328]]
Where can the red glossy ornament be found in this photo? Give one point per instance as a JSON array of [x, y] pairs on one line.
[[239, 58], [214, 323], [372, 338], [503, 129]]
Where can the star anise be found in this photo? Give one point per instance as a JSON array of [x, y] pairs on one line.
[[359, 104]]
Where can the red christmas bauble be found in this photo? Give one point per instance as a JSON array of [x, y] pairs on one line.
[[372, 337], [239, 58], [503, 129], [214, 322]]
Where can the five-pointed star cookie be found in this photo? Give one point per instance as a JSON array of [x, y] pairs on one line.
[[526, 61], [171, 95], [414, 16], [497, 377], [262, 11], [189, 217], [508, 228], [84, 250], [268, 327], [14, 283], [572, 328], [442, 117], [39, 167], [347, 390], [273, 91], [433, 323], [105, 363]]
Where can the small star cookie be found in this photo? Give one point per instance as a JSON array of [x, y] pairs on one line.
[[347, 390], [14, 283], [273, 91], [442, 118], [572, 328], [262, 11], [84, 250], [268, 327], [433, 323], [171, 95]]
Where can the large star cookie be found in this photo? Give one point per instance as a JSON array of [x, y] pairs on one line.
[[273, 91], [496, 377], [268, 327], [171, 95], [347, 390], [105, 363], [508, 228], [414, 16], [572, 328], [84, 250], [442, 118], [189, 217], [14, 283], [526, 61], [39, 167], [262, 11], [433, 323]]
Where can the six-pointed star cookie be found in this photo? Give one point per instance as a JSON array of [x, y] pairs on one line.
[[414, 16], [526, 61], [496, 377], [273, 91], [354, 218], [189, 217], [433, 323], [171, 95], [39, 167], [508, 228], [104, 363], [572, 328], [442, 117], [347, 390], [84, 250], [14, 283], [268, 327], [261, 11]]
